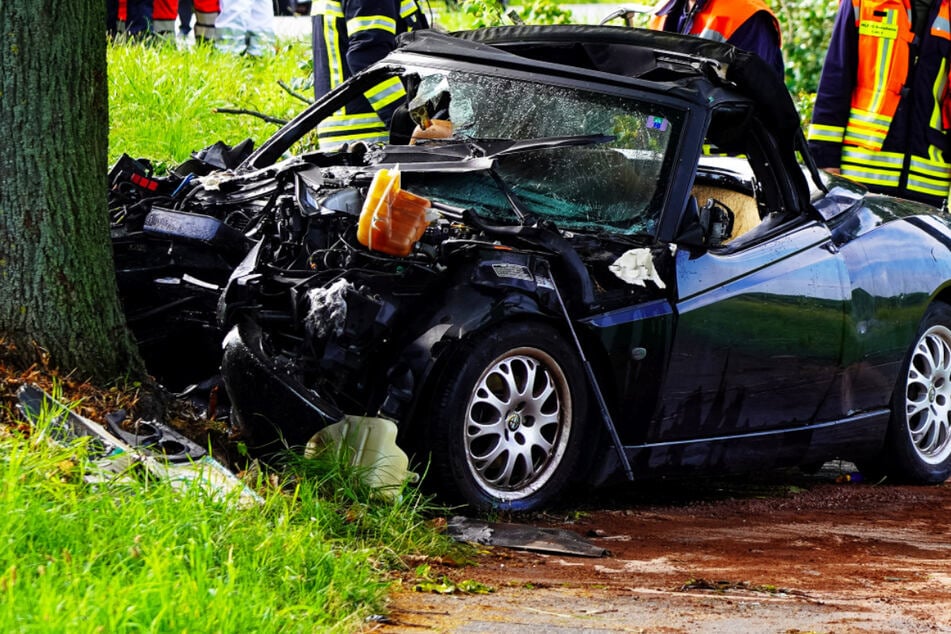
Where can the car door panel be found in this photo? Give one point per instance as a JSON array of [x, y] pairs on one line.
[[758, 337]]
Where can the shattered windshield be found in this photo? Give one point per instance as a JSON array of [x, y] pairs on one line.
[[613, 177]]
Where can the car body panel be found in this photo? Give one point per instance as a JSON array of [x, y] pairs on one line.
[[568, 197]]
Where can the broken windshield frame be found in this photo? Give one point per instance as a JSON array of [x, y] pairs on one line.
[[586, 160], [616, 185]]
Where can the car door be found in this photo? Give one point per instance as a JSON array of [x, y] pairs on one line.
[[758, 336], [758, 321]]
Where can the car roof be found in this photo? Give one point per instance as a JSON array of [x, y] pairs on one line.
[[697, 69]]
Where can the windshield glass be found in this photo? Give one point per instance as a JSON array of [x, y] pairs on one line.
[[615, 179]]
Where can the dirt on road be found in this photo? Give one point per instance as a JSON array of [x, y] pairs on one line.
[[793, 555]]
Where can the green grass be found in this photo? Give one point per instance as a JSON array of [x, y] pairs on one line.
[[140, 556], [163, 100]]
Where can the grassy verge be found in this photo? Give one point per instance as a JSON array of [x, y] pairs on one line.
[[139, 556], [163, 100]]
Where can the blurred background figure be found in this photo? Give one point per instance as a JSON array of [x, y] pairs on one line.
[[112, 17], [206, 17], [245, 27], [185, 14], [134, 18], [146, 18], [746, 24]]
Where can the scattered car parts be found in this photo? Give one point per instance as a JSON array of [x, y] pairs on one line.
[[163, 452]]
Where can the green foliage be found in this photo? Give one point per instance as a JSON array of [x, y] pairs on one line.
[[427, 582], [483, 13], [163, 100], [807, 27], [140, 556], [545, 12]]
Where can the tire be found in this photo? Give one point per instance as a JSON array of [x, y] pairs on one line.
[[918, 447], [495, 443]]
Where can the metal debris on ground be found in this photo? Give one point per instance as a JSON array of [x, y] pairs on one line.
[[523, 537], [163, 453]]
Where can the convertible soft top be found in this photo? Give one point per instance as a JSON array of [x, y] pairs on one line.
[[639, 53]]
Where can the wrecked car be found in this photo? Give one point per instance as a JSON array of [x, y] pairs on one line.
[[616, 261]]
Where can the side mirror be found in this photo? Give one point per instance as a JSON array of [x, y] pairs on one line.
[[707, 227]]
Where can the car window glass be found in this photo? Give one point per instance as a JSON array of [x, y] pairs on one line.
[[615, 184]]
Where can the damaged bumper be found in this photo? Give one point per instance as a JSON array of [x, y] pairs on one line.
[[269, 404]]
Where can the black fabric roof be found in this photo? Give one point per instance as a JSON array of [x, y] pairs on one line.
[[628, 52]]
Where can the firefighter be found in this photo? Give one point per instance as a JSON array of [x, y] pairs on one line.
[[138, 18], [746, 24], [348, 36], [882, 111]]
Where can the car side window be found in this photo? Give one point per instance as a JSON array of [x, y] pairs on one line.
[[737, 171]]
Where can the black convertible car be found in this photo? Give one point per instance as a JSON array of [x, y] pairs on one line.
[[612, 258]]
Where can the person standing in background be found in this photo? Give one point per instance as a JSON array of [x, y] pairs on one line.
[[185, 15], [348, 36], [749, 25], [142, 18], [882, 111], [246, 27]]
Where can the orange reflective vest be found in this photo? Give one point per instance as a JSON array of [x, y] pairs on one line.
[[710, 21], [882, 108]]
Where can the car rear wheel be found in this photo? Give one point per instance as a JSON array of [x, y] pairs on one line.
[[919, 435], [510, 419]]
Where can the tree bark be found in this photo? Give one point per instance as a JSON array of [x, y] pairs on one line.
[[57, 278]]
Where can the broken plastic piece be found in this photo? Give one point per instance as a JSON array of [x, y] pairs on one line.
[[522, 536], [113, 457], [635, 267], [392, 220], [384, 466]]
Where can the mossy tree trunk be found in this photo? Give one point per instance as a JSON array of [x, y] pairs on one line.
[[57, 281]]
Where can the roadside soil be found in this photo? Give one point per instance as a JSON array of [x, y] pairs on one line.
[[784, 553], [794, 554]]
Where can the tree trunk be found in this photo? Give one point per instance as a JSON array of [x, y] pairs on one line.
[[57, 279]]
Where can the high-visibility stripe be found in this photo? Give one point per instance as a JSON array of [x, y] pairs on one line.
[[339, 129], [710, 34], [408, 8], [370, 22], [888, 160], [871, 176], [341, 120], [870, 118], [941, 27], [869, 139], [830, 133], [385, 93], [886, 48], [938, 89], [932, 168], [930, 186], [330, 8], [334, 61]]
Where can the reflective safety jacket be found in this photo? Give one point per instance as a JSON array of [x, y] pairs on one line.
[[882, 109], [348, 36], [159, 16], [746, 24]]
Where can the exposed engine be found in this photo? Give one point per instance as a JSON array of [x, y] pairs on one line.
[[203, 249]]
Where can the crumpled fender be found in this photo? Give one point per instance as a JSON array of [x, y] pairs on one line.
[[498, 291]]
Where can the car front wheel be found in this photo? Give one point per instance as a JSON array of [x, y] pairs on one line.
[[919, 436], [510, 418]]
